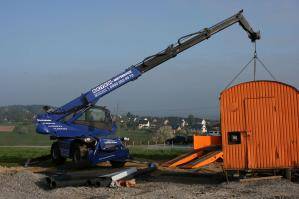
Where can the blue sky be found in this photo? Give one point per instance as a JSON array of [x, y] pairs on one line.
[[52, 51]]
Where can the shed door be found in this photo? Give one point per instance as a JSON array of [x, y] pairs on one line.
[[260, 116]]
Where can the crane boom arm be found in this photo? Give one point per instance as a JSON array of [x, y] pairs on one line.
[[190, 40], [90, 98]]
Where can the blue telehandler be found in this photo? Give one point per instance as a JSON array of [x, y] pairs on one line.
[[81, 129]]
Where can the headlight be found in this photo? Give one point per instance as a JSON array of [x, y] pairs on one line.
[[125, 139], [88, 139]]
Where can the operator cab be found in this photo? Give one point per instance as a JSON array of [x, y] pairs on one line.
[[95, 117]]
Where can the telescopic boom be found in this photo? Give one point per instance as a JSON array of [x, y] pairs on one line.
[[88, 99], [190, 40]]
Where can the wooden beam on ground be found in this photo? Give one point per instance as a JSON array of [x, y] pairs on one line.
[[260, 178]]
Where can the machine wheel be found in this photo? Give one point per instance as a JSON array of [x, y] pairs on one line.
[[117, 164], [56, 155], [79, 154]]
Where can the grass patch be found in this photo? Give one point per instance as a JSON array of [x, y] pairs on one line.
[[24, 135], [17, 156], [138, 136], [155, 154]]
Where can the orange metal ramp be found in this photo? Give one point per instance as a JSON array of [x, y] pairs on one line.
[[196, 158], [182, 159], [207, 149], [204, 160]]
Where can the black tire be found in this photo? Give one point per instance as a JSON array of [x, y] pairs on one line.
[[56, 157], [117, 164], [79, 154]]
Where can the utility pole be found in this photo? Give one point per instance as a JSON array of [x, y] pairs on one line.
[[117, 109]]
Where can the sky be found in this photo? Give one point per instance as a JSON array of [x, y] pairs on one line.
[[52, 51]]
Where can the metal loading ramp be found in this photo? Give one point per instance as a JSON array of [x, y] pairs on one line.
[[182, 159], [203, 160], [196, 158]]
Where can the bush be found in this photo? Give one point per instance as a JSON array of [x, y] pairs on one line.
[[163, 133]]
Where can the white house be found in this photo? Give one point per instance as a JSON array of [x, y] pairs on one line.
[[143, 124]]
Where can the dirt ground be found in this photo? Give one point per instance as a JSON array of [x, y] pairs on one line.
[[19, 182]]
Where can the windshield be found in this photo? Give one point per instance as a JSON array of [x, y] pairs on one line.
[[96, 117]]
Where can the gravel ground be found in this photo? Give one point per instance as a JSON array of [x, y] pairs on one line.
[[25, 184]]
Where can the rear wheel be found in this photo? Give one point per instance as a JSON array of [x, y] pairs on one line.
[[56, 155], [79, 154], [117, 164]]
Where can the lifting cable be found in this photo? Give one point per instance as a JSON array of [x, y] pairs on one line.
[[254, 59]]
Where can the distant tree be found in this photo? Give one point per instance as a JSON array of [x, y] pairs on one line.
[[19, 113], [130, 115], [163, 133], [183, 132], [191, 120]]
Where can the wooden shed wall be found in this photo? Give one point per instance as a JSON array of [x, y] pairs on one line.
[[265, 115]]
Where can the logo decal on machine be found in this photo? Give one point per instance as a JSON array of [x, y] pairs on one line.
[[113, 83]]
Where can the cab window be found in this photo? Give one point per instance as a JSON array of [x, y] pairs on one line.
[[93, 115], [95, 118]]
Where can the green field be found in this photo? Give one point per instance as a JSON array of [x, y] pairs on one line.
[[17, 156], [24, 135], [143, 153]]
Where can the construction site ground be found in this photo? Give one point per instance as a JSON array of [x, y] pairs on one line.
[[21, 182]]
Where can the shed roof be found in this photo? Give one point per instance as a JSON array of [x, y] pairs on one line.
[[259, 81]]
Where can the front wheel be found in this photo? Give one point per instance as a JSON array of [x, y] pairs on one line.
[[79, 154], [56, 155], [117, 164]]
